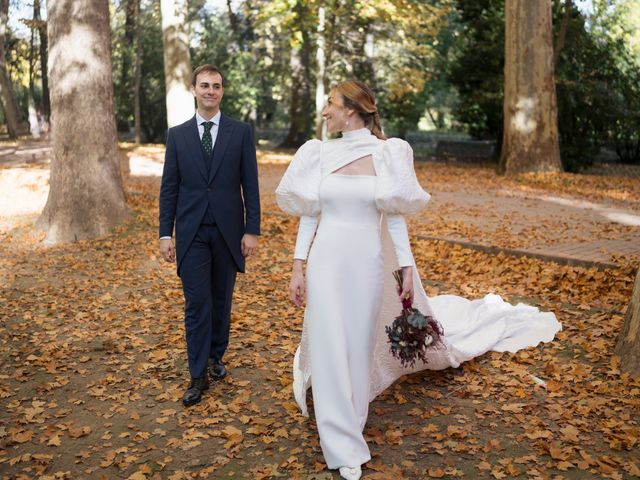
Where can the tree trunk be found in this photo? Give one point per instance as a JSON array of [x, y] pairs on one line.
[[86, 198], [125, 85], [301, 108], [320, 75], [32, 58], [137, 74], [365, 70], [177, 61], [9, 106], [530, 141], [44, 51], [235, 25], [628, 346], [33, 117], [562, 34]]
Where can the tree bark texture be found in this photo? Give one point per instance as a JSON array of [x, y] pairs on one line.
[[628, 345], [177, 61], [9, 105], [530, 141], [86, 198]]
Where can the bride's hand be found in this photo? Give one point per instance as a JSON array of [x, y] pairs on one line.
[[407, 283], [296, 285]]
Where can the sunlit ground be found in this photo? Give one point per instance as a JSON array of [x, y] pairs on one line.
[[469, 203], [95, 362]]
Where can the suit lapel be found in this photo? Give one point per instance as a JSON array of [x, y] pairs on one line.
[[195, 145], [222, 141]]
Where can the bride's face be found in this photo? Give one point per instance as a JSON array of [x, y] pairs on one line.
[[335, 113]]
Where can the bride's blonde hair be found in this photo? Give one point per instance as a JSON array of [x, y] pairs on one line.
[[360, 98]]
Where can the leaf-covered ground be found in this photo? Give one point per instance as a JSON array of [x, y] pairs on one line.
[[93, 363]]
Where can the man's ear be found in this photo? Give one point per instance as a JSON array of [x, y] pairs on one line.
[[192, 90]]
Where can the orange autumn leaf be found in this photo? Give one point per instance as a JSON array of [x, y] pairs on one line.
[[436, 472]]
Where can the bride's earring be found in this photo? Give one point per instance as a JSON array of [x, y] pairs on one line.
[[346, 123]]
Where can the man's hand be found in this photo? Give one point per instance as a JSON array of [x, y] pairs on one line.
[[168, 249], [248, 244]]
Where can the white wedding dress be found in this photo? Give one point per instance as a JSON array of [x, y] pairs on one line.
[[360, 238]]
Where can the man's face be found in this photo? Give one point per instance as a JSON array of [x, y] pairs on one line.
[[208, 91]]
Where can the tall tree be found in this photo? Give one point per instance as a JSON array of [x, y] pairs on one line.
[[44, 51], [474, 66], [153, 103], [34, 123], [400, 45], [137, 73], [628, 345], [177, 61], [124, 87], [301, 105], [9, 105], [321, 75], [562, 33], [86, 197], [530, 141]]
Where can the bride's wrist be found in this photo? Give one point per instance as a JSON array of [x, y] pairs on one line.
[[297, 265]]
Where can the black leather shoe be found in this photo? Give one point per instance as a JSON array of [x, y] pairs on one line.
[[193, 394], [217, 370]]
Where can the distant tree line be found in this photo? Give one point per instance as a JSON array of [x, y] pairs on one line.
[[439, 61]]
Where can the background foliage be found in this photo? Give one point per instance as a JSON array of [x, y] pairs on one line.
[[435, 64]]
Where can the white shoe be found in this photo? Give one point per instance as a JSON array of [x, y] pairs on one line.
[[350, 473]]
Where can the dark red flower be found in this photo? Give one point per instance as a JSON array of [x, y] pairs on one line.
[[411, 334]]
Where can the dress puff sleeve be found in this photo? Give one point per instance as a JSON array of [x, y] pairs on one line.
[[398, 190], [299, 189]]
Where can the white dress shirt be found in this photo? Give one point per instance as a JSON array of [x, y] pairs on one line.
[[214, 129]]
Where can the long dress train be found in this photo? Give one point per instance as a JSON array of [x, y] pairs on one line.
[[351, 296], [472, 328]]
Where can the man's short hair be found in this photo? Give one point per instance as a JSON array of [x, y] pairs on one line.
[[205, 68]]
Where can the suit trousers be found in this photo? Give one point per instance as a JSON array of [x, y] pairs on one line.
[[208, 274]]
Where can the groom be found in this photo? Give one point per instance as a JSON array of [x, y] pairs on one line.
[[210, 191]]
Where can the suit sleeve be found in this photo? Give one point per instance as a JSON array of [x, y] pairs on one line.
[[249, 178], [169, 188]]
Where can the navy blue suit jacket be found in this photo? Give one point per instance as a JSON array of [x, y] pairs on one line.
[[229, 190]]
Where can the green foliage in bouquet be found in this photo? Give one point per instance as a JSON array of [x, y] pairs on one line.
[[412, 333]]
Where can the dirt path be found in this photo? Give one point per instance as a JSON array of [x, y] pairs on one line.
[[92, 367]]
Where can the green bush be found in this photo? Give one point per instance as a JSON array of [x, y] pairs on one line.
[[597, 84]]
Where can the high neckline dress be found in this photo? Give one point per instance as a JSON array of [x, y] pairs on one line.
[[360, 239]]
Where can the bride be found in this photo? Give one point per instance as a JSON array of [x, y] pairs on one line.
[[351, 194]]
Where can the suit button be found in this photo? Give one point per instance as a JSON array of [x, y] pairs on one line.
[[208, 189]]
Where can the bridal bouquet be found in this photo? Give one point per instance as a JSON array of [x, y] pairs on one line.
[[412, 333]]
